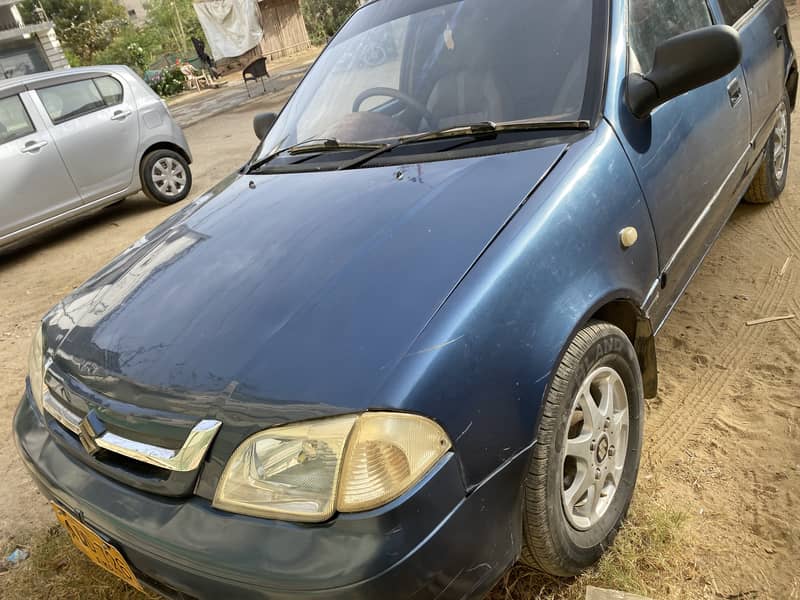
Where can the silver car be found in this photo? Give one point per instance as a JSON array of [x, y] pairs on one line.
[[78, 140]]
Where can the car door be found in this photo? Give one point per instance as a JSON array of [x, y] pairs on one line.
[[690, 154], [95, 128], [762, 27], [35, 183]]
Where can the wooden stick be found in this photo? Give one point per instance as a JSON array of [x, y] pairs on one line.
[[770, 320], [785, 265]]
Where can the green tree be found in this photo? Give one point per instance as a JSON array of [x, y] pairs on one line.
[[177, 22], [85, 27], [325, 17], [135, 47]]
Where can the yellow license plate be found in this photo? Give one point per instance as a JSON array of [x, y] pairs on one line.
[[98, 550]]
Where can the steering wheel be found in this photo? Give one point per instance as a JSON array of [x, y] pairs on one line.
[[410, 102]]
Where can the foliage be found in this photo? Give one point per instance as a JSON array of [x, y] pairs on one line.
[[97, 31], [66, 12], [134, 47], [325, 17], [168, 82], [177, 23], [85, 27]]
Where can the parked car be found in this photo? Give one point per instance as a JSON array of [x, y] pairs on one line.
[[410, 341], [78, 140]]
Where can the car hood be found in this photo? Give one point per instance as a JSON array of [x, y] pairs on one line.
[[294, 293]]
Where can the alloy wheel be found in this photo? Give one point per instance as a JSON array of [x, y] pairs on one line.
[[595, 448], [780, 143]]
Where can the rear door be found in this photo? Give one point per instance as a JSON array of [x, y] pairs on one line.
[[691, 154], [96, 129], [35, 183], [762, 26]]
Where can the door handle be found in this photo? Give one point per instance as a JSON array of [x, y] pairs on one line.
[[780, 36], [735, 92], [33, 147], [121, 115]]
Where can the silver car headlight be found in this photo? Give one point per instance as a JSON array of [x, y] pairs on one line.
[[309, 471], [36, 368]]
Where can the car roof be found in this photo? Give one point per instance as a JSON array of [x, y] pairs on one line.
[[17, 85]]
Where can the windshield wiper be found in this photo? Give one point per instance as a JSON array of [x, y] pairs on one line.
[[478, 130], [316, 146], [490, 128], [331, 144]]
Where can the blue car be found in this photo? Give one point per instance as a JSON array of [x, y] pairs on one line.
[[409, 342]]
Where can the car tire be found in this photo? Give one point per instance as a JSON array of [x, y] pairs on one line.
[[771, 177], [565, 530], [166, 176]]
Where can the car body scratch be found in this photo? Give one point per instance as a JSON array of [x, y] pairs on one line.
[[437, 347], [463, 433]]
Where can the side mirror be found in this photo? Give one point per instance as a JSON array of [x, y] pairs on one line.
[[682, 64], [262, 123]]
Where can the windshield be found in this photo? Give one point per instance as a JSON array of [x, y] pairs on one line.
[[406, 67]]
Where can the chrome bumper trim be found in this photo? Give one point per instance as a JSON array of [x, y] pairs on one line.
[[184, 460], [68, 419]]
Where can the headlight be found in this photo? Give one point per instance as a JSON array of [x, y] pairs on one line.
[[286, 473], [36, 368], [308, 471]]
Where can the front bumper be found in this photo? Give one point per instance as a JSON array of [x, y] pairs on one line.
[[435, 542]]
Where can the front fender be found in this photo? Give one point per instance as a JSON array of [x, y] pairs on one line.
[[483, 365]]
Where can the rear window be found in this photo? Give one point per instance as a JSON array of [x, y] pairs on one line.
[[70, 100], [733, 10], [110, 89], [14, 120]]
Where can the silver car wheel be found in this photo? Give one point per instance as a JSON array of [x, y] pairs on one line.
[[169, 177], [595, 448], [780, 143]]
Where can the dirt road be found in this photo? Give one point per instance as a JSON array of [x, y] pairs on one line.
[[723, 436]]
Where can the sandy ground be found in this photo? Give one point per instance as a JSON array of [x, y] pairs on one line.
[[723, 436]]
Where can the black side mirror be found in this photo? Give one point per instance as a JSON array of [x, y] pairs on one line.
[[262, 123], [682, 64]]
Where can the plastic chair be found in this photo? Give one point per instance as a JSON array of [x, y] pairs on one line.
[[195, 79], [255, 71]]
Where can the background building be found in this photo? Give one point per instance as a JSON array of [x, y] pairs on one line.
[[27, 47]]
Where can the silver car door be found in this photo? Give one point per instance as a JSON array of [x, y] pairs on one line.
[[34, 183], [96, 129]]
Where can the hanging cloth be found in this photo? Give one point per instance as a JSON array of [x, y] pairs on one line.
[[232, 27]]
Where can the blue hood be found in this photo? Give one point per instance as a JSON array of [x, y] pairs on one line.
[[300, 292]]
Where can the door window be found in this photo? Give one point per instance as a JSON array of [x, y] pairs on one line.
[[110, 89], [70, 100], [14, 120], [733, 10], [652, 22]]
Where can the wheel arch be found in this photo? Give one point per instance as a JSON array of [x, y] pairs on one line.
[[791, 84], [632, 321], [165, 145]]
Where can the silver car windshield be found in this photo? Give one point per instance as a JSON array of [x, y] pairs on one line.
[[405, 67]]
